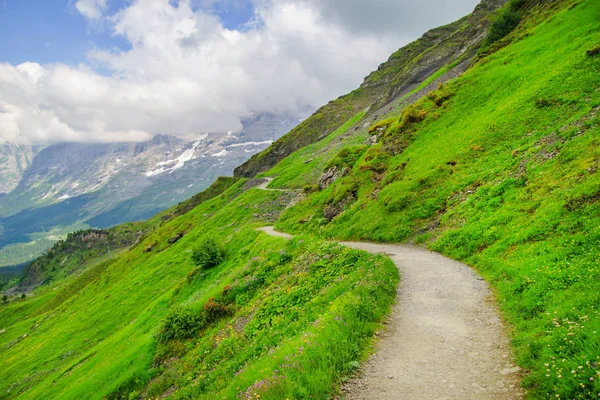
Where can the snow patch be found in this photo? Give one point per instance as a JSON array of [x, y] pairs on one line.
[[222, 153], [64, 197], [156, 172], [180, 161], [266, 142]]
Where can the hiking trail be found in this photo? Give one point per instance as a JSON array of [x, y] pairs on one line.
[[444, 338]]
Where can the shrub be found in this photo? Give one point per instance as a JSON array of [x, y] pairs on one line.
[[439, 96], [412, 115], [209, 254], [213, 311], [507, 20], [308, 189], [180, 323], [381, 126], [594, 51], [544, 102]]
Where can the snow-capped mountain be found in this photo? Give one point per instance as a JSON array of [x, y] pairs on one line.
[[105, 184]]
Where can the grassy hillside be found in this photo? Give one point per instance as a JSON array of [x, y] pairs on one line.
[[499, 169], [153, 322], [401, 73]]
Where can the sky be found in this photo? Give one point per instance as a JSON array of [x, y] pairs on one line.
[[124, 70]]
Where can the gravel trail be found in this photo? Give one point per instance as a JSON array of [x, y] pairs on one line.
[[444, 338]]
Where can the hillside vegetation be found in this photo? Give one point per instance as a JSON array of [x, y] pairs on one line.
[[496, 167], [156, 320], [438, 50]]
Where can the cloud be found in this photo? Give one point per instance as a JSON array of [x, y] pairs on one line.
[[91, 9], [186, 74], [391, 16]]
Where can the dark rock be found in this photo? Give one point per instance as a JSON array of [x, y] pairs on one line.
[[148, 249], [331, 175], [175, 238], [333, 210]]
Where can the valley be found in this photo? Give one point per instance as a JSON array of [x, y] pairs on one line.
[[73, 186]]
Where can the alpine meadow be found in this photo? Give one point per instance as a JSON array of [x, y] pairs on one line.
[[479, 142]]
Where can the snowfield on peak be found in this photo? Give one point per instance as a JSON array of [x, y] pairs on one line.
[[180, 161], [222, 153], [266, 142]]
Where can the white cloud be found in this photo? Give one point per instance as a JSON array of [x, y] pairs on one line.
[[186, 74], [91, 9]]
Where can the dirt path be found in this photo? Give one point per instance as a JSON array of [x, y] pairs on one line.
[[265, 183], [444, 338]]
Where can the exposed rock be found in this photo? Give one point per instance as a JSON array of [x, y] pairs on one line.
[[16, 160], [333, 210], [331, 175], [508, 371], [175, 238], [252, 183], [148, 249]]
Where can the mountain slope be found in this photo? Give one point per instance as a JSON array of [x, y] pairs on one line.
[[106, 324], [438, 51], [14, 161], [71, 186], [497, 167]]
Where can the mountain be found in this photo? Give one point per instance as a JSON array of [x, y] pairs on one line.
[[442, 53], [69, 186], [494, 164], [14, 161]]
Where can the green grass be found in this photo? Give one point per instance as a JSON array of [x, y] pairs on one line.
[[18, 253], [499, 169], [94, 334], [305, 166], [503, 175]]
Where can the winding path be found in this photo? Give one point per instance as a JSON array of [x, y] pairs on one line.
[[444, 338]]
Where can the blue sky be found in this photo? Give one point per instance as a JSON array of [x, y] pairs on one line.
[[50, 31]]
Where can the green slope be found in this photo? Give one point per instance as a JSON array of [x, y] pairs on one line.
[[497, 168], [501, 174], [405, 70], [95, 334]]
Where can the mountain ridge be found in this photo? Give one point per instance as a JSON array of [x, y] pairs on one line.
[[402, 73], [105, 184]]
